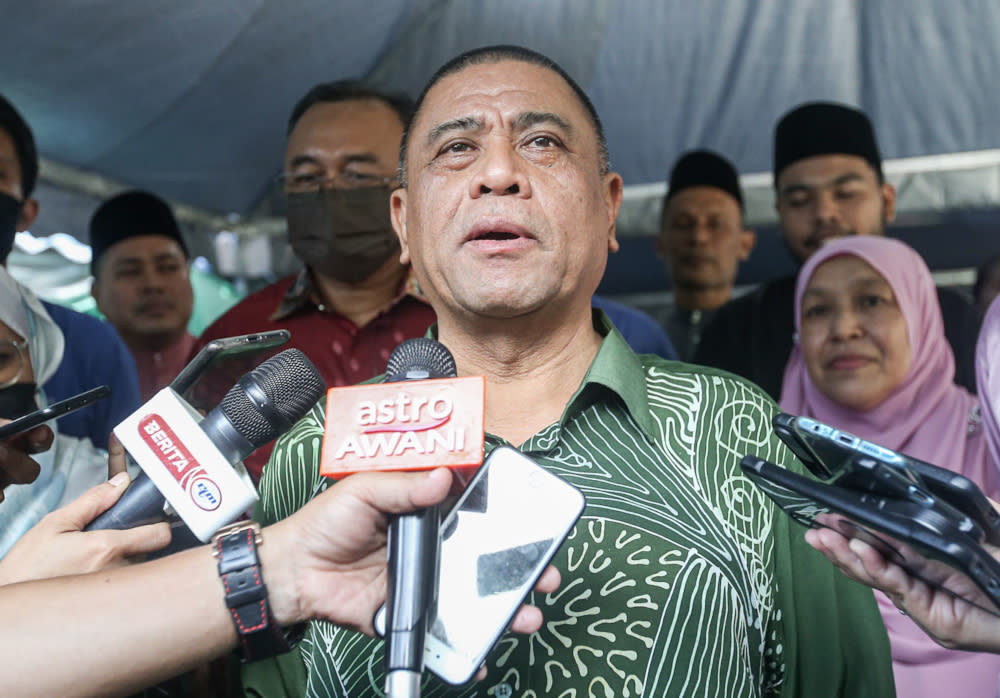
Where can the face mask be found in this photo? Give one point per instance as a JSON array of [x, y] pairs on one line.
[[344, 234], [18, 400], [10, 211]]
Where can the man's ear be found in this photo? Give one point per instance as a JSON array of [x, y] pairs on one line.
[[748, 240], [29, 212], [613, 188], [889, 202], [397, 212]]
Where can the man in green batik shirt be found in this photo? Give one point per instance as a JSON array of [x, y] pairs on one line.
[[681, 578]]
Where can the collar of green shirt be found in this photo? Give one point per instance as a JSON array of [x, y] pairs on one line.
[[616, 368]]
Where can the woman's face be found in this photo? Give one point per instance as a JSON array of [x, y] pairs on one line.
[[853, 334]]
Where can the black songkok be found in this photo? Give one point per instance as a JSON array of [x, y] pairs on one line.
[[128, 215], [703, 168], [824, 128]]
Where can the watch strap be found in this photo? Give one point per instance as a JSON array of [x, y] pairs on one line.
[[260, 636]]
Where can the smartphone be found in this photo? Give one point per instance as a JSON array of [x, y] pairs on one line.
[[941, 551], [496, 541], [848, 461], [205, 380], [58, 409]]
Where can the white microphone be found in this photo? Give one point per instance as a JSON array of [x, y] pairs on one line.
[[195, 464]]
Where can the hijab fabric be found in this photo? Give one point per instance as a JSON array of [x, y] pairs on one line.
[[25, 505], [988, 378], [22, 312], [926, 416]]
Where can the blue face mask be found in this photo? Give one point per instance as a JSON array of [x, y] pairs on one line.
[[18, 400], [10, 211]]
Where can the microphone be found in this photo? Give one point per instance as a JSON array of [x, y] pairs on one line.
[[413, 543], [194, 464], [421, 417]]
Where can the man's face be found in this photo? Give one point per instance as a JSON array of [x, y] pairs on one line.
[[829, 196], [703, 238], [506, 210], [343, 144], [10, 180], [142, 287]]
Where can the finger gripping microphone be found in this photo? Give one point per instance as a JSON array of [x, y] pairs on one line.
[[188, 461], [413, 543]]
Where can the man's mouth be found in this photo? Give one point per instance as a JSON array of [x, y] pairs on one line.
[[496, 235], [495, 230]]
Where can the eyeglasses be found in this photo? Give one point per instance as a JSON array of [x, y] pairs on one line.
[[311, 181], [13, 359]]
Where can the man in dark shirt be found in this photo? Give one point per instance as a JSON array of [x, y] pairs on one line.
[[703, 240], [829, 183]]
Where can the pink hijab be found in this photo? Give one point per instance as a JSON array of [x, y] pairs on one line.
[[928, 417], [988, 377]]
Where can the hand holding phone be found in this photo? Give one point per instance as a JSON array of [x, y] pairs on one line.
[[58, 409], [496, 542], [939, 550], [848, 461]]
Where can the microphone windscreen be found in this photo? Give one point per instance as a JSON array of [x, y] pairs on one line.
[[266, 402], [419, 358]]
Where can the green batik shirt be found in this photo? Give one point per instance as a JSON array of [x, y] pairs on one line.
[[680, 579]]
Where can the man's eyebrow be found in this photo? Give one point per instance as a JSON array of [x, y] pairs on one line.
[[464, 123], [300, 160], [534, 118]]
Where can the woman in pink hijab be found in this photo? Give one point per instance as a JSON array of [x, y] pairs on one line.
[[872, 359]]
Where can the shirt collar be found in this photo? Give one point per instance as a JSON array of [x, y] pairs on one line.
[[302, 293], [615, 368]]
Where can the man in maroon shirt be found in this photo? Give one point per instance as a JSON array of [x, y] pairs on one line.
[[353, 302], [141, 283]]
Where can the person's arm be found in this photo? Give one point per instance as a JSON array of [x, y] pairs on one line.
[[57, 545], [950, 621], [115, 631]]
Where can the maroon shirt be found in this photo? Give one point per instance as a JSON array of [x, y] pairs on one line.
[[157, 368], [344, 353]]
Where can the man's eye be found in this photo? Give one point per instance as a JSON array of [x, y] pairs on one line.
[[543, 142], [846, 194], [305, 180], [797, 201], [457, 148], [359, 177]]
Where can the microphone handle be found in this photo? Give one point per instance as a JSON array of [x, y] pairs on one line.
[[414, 549], [141, 504]]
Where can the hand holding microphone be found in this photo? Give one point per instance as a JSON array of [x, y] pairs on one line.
[[188, 462], [422, 417]]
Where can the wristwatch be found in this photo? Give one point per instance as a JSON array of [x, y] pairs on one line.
[[235, 547]]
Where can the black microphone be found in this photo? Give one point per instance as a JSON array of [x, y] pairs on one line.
[[413, 543], [263, 405]]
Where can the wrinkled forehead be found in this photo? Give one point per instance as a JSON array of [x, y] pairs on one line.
[[501, 90]]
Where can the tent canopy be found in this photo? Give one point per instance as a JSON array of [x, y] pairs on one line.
[[190, 99]]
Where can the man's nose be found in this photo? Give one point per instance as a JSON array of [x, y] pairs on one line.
[[500, 171], [827, 210]]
